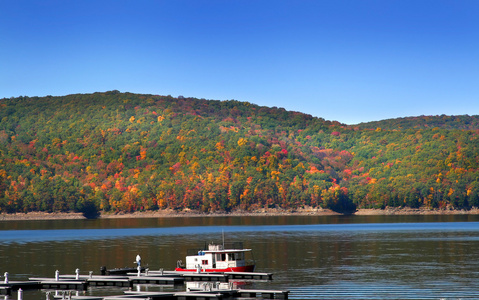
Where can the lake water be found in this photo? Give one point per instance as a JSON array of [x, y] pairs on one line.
[[328, 257]]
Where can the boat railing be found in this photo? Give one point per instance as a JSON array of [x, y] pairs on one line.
[[198, 251]]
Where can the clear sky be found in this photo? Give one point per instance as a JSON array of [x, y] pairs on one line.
[[344, 60]]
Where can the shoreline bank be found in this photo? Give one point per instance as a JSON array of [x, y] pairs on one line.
[[261, 213]]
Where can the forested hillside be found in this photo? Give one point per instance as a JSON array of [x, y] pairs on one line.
[[123, 152]]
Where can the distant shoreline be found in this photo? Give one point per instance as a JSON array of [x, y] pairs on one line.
[[260, 213]]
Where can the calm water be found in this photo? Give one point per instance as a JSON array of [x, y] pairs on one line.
[[353, 257]]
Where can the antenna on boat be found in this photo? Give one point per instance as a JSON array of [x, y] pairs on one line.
[[223, 233]]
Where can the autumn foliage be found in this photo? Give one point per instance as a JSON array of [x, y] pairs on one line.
[[123, 152]]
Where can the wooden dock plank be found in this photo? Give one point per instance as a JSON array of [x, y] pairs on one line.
[[205, 277], [63, 285], [250, 275], [151, 295], [79, 297], [271, 294], [198, 296], [24, 285], [121, 282], [157, 280]]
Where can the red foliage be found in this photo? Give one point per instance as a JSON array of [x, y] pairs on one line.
[[175, 167]]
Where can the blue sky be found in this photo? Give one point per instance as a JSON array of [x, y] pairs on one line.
[[344, 60]]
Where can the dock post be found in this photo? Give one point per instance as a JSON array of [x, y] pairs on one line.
[[161, 271], [77, 274], [57, 275], [147, 270], [20, 294], [6, 277], [48, 295], [91, 274]]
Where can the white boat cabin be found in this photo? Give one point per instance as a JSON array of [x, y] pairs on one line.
[[217, 258]]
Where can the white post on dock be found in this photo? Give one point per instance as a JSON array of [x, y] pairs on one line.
[[91, 274], [77, 274], [147, 270], [139, 271], [6, 277], [57, 275], [161, 271], [20, 294]]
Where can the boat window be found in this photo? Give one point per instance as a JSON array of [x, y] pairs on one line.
[[221, 257], [230, 256], [204, 262]]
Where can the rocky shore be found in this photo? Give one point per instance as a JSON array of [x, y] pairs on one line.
[[263, 212]]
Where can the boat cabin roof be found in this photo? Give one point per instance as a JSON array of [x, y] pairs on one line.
[[226, 251], [218, 249]]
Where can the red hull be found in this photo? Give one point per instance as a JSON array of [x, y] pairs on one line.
[[249, 268]]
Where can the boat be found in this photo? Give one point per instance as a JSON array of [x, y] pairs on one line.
[[217, 258]]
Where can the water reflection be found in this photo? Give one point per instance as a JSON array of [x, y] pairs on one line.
[[227, 221]]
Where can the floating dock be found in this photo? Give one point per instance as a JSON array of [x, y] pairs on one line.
[[223, 277], [24, 285], [188, 295], [210, 285]]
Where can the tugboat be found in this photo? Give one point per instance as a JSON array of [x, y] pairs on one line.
[[216, 258]]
